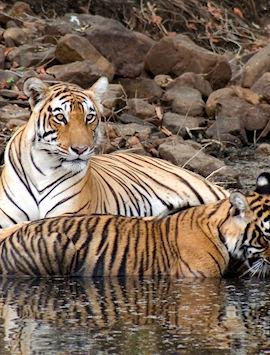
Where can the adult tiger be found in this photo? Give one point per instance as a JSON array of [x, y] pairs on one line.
[[47, 170], [197, 242]]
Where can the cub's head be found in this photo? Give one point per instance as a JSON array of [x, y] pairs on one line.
[[65, 120], [255, 245]]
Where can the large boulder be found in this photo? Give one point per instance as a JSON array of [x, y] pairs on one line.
[[179, 54], [122, 47]]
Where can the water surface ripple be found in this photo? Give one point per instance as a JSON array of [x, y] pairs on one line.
[[132, 316]]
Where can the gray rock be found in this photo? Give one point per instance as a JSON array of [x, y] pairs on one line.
[[178, 124], [192, 80], [29, 55], [185, 100], [262, 86], [131, 129], [141, 108], [184, 154], [141, 88], [236, 115], [128, 118], [12, 111], [119, 45], [114, 99]]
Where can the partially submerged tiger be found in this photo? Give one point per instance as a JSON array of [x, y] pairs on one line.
[[50, 169], [197, 242]]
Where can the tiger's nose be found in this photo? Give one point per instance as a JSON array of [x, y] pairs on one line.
[[79, 149]]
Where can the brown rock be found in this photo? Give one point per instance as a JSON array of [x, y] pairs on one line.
[[263, 149], [185, 100], [2, 57], [256, 66], [14, 36], [185, 155], [141, 88], [144, 41], [71, 48], [141, 108], [179, 54], [215, 98], [20, 9], [262, 86], [83, 73]]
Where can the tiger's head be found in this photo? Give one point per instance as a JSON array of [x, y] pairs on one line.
[[255, 247], [65, 120]]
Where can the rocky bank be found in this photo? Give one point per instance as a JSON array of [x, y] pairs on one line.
[[168, 97]]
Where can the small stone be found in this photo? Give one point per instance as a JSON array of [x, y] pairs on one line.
[[185, 100], [141, 88], [263, 149]]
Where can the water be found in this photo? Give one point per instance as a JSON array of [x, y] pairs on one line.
[[112, 316]]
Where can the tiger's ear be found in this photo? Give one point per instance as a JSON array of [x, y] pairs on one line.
[[239, 203], [35, 89], [99, 89], [263, 184]]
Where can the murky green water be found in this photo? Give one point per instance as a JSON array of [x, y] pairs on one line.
[[111, 316]]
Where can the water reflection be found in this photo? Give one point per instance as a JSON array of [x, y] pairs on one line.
[[134, 316]]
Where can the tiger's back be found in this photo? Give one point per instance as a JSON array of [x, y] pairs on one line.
[[197, 242]]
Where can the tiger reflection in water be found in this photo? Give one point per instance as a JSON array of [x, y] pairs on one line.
[[113, 315]]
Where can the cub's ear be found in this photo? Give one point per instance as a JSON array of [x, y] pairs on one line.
[[98, 90], [239, 203], [35, 89], [263, 184]]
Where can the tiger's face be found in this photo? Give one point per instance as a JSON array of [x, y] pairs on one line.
[[66, 121], [256, 244]]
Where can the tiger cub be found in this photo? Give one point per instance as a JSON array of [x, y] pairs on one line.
[[197, 242]]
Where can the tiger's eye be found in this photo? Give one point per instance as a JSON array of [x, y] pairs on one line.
[[90, 117], [60, 118]]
